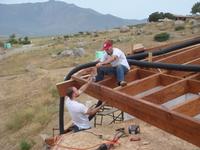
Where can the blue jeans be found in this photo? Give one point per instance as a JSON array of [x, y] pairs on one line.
[[119, 71]]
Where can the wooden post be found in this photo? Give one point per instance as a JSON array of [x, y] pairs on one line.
[[150, 56]]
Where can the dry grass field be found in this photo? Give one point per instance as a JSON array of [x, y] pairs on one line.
[[28, 97]]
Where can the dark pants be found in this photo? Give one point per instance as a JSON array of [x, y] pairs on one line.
[[97, 105], [76, 128], [119, 71]]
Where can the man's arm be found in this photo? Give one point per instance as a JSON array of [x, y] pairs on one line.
[[84, 87], [92, 111], [107, 61]]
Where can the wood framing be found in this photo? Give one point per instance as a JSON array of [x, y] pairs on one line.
[[148, 91]]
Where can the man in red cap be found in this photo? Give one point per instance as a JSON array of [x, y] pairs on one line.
[[118, 64]]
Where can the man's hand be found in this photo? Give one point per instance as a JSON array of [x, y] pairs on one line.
[[99, 64], [103, 104]]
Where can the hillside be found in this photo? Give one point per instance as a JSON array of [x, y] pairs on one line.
[[28, 95], [54, 17]]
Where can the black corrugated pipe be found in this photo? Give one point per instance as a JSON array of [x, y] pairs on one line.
[[165, 50], [79, 67], [61, 115], [178, 67]]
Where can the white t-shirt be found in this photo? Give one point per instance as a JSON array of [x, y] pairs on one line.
[[121, 58], [77, 111]]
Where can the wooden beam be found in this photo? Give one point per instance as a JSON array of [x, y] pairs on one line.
[[190, 108], [132, 75], [148, 83], [184, 73], [172, 122], [62, 86], [159, 57], [196, 77], [182, 57], [138, 86], [168, 93], [194, 86]]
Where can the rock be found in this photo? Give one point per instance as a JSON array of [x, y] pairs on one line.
[[66, 53], [179, 23], [79, 52], [195, 31], [145, 143], [124, 29]]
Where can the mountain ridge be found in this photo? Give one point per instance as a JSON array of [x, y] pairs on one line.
[[55, 17]]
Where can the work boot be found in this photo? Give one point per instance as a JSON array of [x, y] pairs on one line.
[[123, 83]]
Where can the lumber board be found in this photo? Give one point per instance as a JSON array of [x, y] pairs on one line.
[[182, 57], [190, 108], [168, 93]]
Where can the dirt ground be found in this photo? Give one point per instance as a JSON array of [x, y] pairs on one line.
[[151, 138]]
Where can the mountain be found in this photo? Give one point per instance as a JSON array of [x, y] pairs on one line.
[[54, 17]]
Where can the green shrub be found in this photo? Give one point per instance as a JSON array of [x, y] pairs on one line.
[[178, 28], [54, 92], [161, 37], [160, 15], [25, 145]]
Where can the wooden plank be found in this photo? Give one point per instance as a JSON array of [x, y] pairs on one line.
[[132, 75], [62, 86], [168, 93], [148, 83], [182, 57], [170, 121], [138, 86], [190, 108], [159, 57], [184, 73], [196, 77], [194, 86]]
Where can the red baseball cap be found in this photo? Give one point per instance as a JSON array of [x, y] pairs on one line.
[[107, 45]]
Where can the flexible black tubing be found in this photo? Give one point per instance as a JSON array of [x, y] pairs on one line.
[[79, 67], [177, 67], [162, 51], [61, 115]]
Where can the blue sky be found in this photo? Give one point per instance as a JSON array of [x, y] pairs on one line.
[[128, 9]]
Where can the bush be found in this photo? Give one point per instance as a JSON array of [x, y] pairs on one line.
[[12, 39], [161, 37], [24, 41], [24, 145], [155, 16], [54, 92], [178, 28], [160, 15]]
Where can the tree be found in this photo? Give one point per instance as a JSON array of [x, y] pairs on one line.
[[169, 16], [12, 39], [196, 8], [155, 16], [26, 40], [160, 15]]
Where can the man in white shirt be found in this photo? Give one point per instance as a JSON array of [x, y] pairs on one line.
[[117, 59], [79, 112]]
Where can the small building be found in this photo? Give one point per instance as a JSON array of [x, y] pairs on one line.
[[7, 45], [184, 18]]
